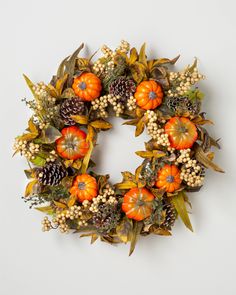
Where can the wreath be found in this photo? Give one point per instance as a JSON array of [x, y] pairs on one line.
[[70, 112]]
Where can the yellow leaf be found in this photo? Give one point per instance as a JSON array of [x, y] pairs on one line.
[[29, 188], [52, 91], [91, 133], [101, 124], [179, 202], [32, 127], [60, 83], [137, 172], [142, 55], [80, 119], [126, 185], [27, 136], [158, 154], [68, 163], [71, 201], [133, 56], [60, 205], [128, 176], [77, 164], [144, 154], [86, 159], [139, 127]]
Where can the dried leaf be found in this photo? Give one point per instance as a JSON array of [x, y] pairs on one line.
[[144, 154], [77, 164], [142, 55], [202, 158], [60, 84], [159, 231], [139, 127], [60, 205], [133, 56], [137, 227], [126, 185], [30, 187], [80, 119], [32, 127], [128, 176], [124, 230], [61, 68], [91, 134], [94, 238], [162, 61], [71, 201], [101, 124], [138, 172], [179, 202], [158, 193], [131, 122], [86, 159]]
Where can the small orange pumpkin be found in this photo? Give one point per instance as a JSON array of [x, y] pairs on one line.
[[137, 203], [84, 187], [168, 178], [72, 145], [87, 86], [148, 95], [182, 132]]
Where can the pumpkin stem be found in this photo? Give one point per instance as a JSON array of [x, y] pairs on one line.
[[152, 95], [82, 85]]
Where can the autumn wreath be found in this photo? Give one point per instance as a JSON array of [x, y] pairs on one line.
[[69, 113]]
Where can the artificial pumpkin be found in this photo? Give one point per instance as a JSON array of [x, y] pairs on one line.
[[148, 95], [137, 203], [182, 133], [87, 86], [168, 178], [84, 187], [72, 145]]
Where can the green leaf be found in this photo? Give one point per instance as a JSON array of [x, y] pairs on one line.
[[38, 161], [137, 227], [50, 134], [179, 202], [47, 209]]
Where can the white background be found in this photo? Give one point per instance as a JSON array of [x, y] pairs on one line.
[[35, 36]]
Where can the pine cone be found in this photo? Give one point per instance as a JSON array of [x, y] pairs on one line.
[[69, 107], [123, 87], [183, 105], [106, 218], [170, 215], [51, 174]]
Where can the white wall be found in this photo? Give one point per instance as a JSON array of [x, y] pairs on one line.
[[35, 36]]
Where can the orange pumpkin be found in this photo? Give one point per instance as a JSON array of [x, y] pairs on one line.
[[87, 86], [84, 187], [168, 178], [137, 203], [148, 95], [182, 132], [72, 145]]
